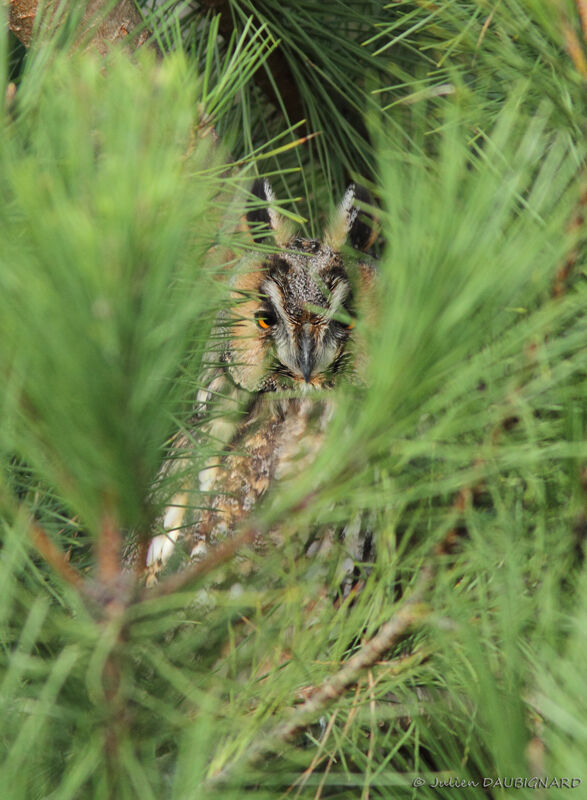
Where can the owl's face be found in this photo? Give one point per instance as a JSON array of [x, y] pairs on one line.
[[293, 321], [304, 317]]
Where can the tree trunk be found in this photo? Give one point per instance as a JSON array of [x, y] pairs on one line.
[[101, 27]]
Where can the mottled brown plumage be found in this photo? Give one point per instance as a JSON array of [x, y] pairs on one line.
[[287, 338]]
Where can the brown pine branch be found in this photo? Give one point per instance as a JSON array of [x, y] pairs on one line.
[[55, 557], [582, 9], [334, 687], [369, 654], [108, 552], [576, 224], [574, 43], [220, 555]]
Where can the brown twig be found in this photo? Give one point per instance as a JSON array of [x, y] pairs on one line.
[[582, 9], [301, 781], [576, 223], [485, 28], [108, 551], [574, 44], [334, 687], [219, 555], [373, 724], [347, 724], [55, 557]]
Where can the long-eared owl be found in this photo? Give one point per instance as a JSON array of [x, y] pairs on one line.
[[275, 354]]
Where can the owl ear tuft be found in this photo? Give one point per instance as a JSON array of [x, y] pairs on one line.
[[351, 222], [262, 216]]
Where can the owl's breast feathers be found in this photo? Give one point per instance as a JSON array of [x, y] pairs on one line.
[[279, 438]]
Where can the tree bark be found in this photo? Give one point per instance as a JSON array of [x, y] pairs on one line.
[[100, 28]]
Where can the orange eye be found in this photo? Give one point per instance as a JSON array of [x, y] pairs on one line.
[[344, 325], [265, 318]]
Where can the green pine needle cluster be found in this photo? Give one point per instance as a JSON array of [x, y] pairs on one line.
[[463, 449]]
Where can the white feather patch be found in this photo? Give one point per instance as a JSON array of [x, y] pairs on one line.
[[161, 548]]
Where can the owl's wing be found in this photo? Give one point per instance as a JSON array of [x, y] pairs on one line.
[[188, 473]]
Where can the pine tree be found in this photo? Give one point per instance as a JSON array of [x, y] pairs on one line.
[[124, 168]]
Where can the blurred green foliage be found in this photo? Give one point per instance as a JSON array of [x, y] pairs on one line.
[[467, 120]]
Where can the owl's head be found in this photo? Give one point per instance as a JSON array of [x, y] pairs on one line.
[[294, 315]]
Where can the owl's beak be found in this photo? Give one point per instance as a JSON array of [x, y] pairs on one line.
[[306, 358]]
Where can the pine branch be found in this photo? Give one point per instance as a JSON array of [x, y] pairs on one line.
[[282, 90], [576, 224], [55, 557], [582, 9], [109, 548], [219, 555], [334, 687]]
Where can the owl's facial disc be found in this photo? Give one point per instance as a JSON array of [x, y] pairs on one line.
[[305, 288]]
